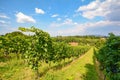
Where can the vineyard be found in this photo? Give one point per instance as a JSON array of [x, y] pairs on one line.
[[109, 57], [41, 57]]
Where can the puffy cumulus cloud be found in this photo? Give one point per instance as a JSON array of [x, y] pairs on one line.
[[109, 9], [93, 5], [39, 11], [22, 18], [3, 16], [55, 15], [85, 28]]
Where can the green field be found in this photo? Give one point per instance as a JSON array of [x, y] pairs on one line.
[[82, 68]]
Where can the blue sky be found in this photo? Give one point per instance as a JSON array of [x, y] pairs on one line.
[[61, 17]]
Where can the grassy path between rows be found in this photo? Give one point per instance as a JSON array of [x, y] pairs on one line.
[[81, 69]]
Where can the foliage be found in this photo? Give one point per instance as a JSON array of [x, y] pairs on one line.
[[38, 48], [81, 68], [13, 43], [81, 40], [109, 57], [42, 48]]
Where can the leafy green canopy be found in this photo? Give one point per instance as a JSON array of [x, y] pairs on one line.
[[109, 57], [39, 48]]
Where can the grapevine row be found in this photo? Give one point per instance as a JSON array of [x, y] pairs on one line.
[[109, 57], [38, 47]]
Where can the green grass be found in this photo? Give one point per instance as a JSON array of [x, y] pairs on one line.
[[15, 70], [81, 69]]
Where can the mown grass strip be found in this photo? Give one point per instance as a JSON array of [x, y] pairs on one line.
[[81, 69]]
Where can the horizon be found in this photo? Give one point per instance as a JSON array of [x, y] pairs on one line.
[[61, 17]]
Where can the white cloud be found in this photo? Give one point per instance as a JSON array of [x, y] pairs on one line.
[[66, 22], [22, 18], [55, 15], [104, 8], [108, 9], [39, 11], [85, 28], [2, 22], [58, 19], [69, 22], [4, 16], [93, 5]]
